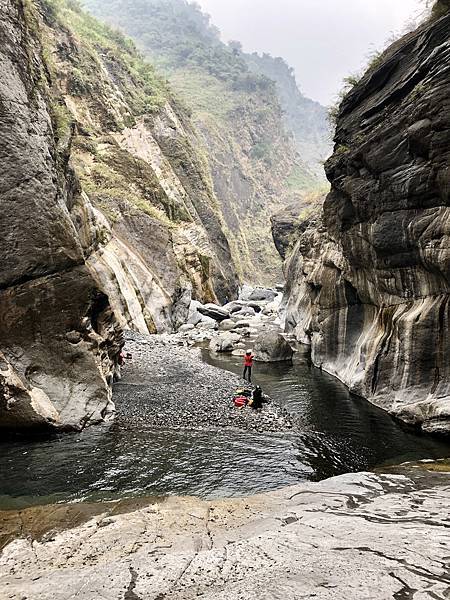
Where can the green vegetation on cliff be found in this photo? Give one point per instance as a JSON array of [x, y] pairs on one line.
[[305, 118], [132, 147], [251, 153]]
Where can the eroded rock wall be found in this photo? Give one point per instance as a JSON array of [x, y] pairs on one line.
[[369, 279], [58, 337], [163, 238], [108, 218]]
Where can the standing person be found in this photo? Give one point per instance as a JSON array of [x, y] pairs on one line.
[[248, 364]]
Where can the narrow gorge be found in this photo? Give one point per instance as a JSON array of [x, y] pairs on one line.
[[224, 342]]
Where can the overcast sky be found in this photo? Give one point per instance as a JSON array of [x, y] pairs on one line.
[[324, 40]]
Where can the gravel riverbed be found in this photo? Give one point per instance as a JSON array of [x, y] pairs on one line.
[[167, 384]]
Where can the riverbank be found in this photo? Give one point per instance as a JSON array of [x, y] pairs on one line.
[[179, 390], [357, 536]]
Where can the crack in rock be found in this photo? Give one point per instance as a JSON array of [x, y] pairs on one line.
[[130, 593]]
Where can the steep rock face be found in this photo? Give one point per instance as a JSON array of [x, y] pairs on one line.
[[108, 215], [251, 155], [369, 279], [53, 313], [163, 239]]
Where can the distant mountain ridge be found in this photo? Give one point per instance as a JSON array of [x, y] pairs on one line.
[[306, 118]]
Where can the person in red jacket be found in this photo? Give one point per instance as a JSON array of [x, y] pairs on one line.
[[248, 364]]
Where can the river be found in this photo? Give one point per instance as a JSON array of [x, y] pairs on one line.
[[336, 433]]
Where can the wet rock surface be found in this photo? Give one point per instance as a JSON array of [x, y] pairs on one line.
[[360, 536], [180, 391]]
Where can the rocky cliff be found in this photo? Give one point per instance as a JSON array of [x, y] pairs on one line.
[[369, 278], [59, 338], [252, 155], [108, 214]]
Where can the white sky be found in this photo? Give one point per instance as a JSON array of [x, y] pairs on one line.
[[324, 40]]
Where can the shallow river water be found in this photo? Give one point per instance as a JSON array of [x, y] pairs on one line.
[[335, 434]]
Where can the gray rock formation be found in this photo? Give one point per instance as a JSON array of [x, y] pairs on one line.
[[214, 312], [108, 217], [58, 337], [224, 342], [262, 294], [270, 346], [369, 279], [356, 537]]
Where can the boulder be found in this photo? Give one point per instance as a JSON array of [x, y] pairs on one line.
[[227, 325], [195, 318], [270, 346], [257, 306], [272, 307], [186, 328], [241, 324], [234, 306], [246, 311], [245, 292], [224, 343], [213, 311], [238, 352], [206, 324], [262, 294]]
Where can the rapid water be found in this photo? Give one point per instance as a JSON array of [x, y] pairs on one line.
[[336, 434]]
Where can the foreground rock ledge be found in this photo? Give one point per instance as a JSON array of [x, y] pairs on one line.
[[356, 537]]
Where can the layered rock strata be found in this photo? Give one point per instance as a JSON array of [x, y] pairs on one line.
[[58, 336], [369, 277], [108, 218], [355, 536]]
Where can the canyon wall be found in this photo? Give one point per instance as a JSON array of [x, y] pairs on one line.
[[369, 274], [239, 117], [58, 336], [108, 220]]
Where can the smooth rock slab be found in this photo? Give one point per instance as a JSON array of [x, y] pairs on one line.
[[354, 537]]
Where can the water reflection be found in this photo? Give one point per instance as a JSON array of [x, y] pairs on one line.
[[334, 434]]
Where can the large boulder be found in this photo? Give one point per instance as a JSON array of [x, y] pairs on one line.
[[234, 306], [207, 324], [270, 346], [194, 316], [227, 325], [245, 292], [213, 311], [246, 311], [262, 294]]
